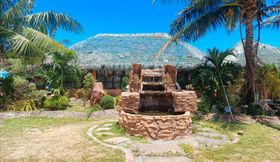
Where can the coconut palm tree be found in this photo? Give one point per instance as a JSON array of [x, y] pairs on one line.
[[216, 74], [27, 34], [200, 16]]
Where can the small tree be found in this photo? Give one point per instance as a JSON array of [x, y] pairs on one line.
[[88, 85]]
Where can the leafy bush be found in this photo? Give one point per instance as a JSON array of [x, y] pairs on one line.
[[56, 103], [6, 89], [124, 83], [24, 105], [204, 105], [255, 109], [107, 102]]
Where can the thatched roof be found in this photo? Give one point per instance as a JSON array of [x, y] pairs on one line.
[[125, 49]]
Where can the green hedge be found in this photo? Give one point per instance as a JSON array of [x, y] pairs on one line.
[[56, 103]]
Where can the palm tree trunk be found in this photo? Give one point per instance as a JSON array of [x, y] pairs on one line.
[[250, 68], [249, 12], [225, 93]]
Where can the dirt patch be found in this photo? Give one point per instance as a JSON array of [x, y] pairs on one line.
[[68, 142]]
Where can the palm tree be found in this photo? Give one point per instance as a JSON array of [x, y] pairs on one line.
[[216, 74], [63, 66], [28, 34], [200, 16]]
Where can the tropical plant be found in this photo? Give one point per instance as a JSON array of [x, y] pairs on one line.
[[23, 105], [215, 75], [26, 33], [6, 89], [124, 83], [62, 67], [268, 82], [88, 85], [56, 103], [201, 16]]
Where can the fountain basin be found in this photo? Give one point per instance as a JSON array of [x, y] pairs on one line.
[[165, 127]]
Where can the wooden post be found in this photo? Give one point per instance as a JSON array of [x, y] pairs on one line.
[[94, 74]]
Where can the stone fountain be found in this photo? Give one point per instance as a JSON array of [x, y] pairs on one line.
[[153, 107]]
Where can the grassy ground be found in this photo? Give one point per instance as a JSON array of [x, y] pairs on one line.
[[78, 106], [117, 132], [259, 143], [51, 139]]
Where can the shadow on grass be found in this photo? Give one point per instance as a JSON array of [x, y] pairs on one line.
[[277, 127]]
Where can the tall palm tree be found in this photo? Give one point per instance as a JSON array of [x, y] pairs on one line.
[[27, 34], [200, 16], [216, 74]]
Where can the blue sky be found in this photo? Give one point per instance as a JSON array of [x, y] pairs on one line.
[[136, 16]]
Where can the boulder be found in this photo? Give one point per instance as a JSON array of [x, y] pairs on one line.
[[97, 93]]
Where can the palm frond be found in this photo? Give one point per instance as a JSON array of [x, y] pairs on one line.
[[26, 49], [18, 10], [273, 21], [194, 11], [198, 27], [51, 21], [41, 40], [4, 5]]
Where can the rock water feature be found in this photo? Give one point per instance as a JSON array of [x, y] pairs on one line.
[[153, 107]]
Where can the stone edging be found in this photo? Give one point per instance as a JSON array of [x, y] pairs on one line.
[[129, 157]]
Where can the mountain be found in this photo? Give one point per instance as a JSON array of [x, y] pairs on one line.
[[125, 49], [267, 54]]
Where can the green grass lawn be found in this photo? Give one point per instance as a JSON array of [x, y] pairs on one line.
[[259, 143]]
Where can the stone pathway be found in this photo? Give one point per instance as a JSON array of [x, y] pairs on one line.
[[161, 151]]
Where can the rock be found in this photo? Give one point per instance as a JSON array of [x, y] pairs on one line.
[[129, 102], [97, 93], [102, 129], [241, 133], [135, 78], [185, 101], [170, 77], [171, 127], [105, 133], [117, 140]]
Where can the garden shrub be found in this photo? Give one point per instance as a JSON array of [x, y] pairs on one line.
[[56, 103], [107, 102], [6, 89], [204, 105], [255, 109], [124, 83], [24, 105]]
